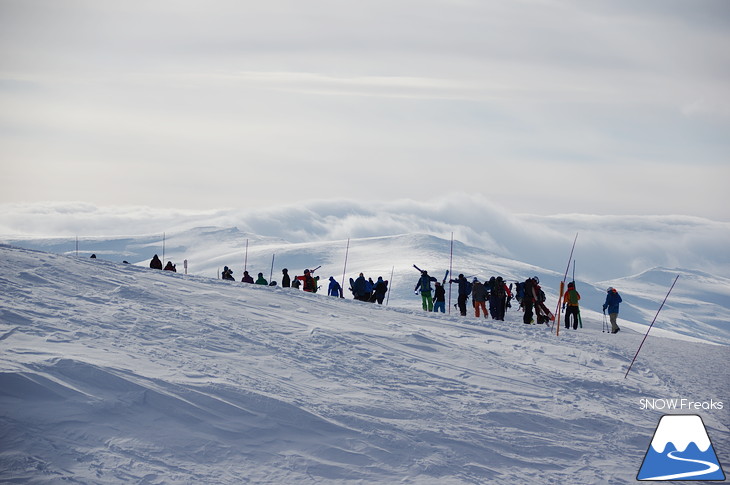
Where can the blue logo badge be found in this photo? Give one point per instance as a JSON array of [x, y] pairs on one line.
[[680, 450]]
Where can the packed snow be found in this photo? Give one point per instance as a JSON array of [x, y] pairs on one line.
[[117, 373]]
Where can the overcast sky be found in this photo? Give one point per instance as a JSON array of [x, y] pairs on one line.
[[541, 106]]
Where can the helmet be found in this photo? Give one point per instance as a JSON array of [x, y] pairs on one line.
[[610, 289], [537, 280], [306, 271]]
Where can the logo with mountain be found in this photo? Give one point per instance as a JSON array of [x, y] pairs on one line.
[[681, 450]]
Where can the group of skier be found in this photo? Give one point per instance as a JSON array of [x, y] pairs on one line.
[[494, 293]]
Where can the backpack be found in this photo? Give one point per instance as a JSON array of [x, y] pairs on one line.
[[309, 283], [520, 291]]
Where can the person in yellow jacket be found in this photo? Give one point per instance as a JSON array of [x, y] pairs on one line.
[[570, 305]]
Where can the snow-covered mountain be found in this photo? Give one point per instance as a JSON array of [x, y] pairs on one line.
[[699, 305], [114, 373]]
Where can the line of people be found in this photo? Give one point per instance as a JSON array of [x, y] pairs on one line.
[[495, 292]]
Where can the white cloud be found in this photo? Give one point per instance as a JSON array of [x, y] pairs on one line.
[[607, 246]]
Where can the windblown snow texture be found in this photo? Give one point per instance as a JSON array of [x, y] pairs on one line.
[[114, 373]]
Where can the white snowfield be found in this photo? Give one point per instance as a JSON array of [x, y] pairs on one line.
[[113, 373]]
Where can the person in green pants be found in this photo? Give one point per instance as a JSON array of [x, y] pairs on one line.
[[424, 283]]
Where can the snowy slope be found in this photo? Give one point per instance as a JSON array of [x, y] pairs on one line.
[[116, 373], [699, 306]]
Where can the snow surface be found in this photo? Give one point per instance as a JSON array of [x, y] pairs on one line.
[[699, 306], [114, 373]]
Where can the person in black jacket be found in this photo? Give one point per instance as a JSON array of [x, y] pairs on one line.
[[439, 298], [464, 292], [381, 288], [155, 263], [285, 280], [227, 274], [528, 300]]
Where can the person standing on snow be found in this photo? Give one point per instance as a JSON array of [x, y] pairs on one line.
[[285, 279], [439, 298], [381, 288], [528, 299], [247, 278], [500, 295], [424, 283], [464, 292], [261, 280], [612, 301], [227, 274], [570, 305], [359, 288], [309, 282], [479, 297], [155, 263], [334, 289]]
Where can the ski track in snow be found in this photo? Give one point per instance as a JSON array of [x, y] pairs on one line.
[[119, 374]]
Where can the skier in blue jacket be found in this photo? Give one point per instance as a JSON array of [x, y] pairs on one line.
[[334, 289], [612, 301]]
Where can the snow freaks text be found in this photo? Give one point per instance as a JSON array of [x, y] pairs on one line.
[[679, 404]]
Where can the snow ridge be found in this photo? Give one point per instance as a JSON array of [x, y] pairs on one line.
[[113, 373]]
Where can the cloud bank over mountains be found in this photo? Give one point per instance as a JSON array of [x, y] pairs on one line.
[[608, 246]]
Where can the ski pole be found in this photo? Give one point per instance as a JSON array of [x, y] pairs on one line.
[[652, 324]]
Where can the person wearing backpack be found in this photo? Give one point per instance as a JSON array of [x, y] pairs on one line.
[[570, 306], [612, 301], [464, 292], [501, 294], [479, 298], [424, 283], [227, 274], [528, 299], [309, 283]]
